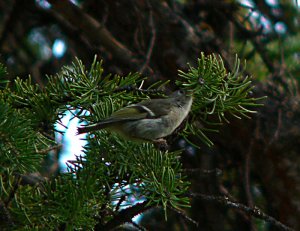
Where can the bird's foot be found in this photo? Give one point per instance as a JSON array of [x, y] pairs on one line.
[[161, 144]]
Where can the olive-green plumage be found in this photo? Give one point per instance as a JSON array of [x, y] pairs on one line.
[[148, 120]]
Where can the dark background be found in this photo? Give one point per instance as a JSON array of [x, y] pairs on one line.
[[258, 158]]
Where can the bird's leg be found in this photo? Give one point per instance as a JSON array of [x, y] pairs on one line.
[[161, 144]]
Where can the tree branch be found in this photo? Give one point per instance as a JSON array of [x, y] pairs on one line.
[[256, 212], [124, 216], [94, 31]]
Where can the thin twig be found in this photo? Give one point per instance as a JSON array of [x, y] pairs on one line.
[[224, 191], [152, 40], [254, 211], [46, 150], [203, 172], [263, 54], [247, 182], [137, 89], [276, 133], [122, 199], [184, 216]]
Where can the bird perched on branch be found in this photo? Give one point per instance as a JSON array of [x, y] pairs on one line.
[[148, 120]]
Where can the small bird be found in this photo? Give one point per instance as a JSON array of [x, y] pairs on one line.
[[148, 120]]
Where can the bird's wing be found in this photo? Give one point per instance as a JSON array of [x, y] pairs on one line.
[[131, 112], [158, 107], [153, 108]]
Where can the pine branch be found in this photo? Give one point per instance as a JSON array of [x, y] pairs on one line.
[[111, 164], [216, 92], [124, 216]]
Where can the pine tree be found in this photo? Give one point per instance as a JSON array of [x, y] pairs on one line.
[[91, 194]]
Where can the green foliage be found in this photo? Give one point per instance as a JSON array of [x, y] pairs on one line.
[[65, 201], [19, 144], [156, 174], [216, 93], [81, 86], [92, 191]]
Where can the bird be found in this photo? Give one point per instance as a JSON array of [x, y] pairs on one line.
[[148, 120]]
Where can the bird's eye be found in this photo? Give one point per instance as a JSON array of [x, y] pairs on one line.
[[181, 92]]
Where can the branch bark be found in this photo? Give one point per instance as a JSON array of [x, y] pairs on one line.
[[124, 216], [94, 31], [253, 211]]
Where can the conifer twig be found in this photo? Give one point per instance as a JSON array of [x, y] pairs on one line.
[[184, 216], [124, 216], [254, 211]]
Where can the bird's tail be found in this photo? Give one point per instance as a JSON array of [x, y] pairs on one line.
[[90, 128]]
